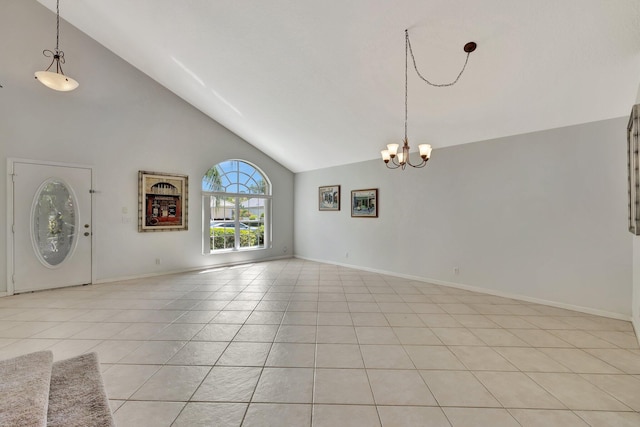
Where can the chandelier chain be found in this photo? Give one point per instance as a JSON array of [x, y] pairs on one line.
[[57, 25], [406, 86], [408, 43]]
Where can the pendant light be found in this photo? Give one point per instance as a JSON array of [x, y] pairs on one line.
[[56, 80]]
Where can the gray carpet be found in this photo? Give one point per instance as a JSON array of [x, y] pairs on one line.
[[77, 397], [24, 389], [35, 392]]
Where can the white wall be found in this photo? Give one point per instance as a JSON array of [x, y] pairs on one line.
[[119, 121], [541, 216], [636, 286]]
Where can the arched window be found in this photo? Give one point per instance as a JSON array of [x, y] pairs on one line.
[[236, 201]]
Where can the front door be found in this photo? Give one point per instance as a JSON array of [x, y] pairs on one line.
[[51, 226]]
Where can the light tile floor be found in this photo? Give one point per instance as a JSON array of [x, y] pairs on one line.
[[298, 343]]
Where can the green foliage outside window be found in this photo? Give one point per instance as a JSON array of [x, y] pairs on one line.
[[224, 238]]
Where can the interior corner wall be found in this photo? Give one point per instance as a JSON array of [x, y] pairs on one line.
[[119, 121], [541, 216]]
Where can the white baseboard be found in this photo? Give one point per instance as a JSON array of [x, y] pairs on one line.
[[587, 310], [187, 270]]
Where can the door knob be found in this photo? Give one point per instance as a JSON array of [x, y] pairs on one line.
[[86, 226], [86, 233]]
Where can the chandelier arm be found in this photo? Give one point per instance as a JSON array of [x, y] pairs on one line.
[[422, 164], [394, 164], [392, 167], [415, 65], [47, 53], [59, 63]]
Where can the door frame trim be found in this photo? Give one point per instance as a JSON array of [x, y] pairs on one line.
[[11, 161]]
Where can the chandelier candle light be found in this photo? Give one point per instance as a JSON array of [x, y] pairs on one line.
[[391, 157], [56, 80]]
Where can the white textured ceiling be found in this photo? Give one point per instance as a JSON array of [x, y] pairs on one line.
[[321, 83]]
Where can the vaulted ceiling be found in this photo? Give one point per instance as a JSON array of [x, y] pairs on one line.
[[321, 83]]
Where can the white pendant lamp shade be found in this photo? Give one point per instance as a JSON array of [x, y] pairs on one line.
[[56, 81], [425, 150], [393, 149]]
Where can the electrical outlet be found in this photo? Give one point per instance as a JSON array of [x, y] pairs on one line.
[[346, 254], [456, 270], [157, 261], [284, 249]]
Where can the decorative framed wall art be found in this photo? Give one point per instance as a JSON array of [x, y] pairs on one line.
[[364, 203], [634, 179], [162, 201], [329, 198]]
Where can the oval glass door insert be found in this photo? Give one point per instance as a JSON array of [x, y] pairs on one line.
[[54, 222]]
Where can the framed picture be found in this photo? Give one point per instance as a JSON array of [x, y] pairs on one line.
[[632, 158], [364, 203], [329, 198], [162, 201]]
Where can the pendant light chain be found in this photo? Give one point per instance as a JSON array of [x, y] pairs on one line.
[[58, 54], [406, 75], [425, 79], [57, 25]]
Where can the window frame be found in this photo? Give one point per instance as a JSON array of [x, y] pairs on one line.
[[208, 196]]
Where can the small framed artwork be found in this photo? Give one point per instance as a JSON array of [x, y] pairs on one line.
[[329, 198], [364, 203], [162, 201], [634, 179]]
